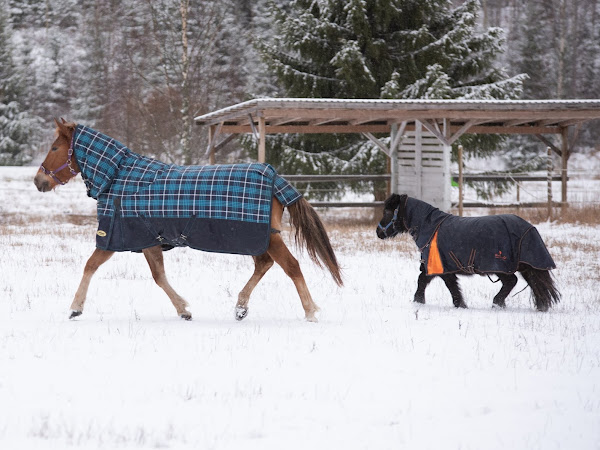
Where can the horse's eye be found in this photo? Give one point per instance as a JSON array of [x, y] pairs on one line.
[[54, 149]]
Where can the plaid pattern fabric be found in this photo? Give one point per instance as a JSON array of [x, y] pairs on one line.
[[145, 187]]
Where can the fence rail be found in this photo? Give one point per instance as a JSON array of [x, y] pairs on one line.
[[516, 177]]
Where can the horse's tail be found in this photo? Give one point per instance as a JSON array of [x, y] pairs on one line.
[[311, 235], [542, 286]]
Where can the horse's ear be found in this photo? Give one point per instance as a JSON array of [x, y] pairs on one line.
[[62, 126]]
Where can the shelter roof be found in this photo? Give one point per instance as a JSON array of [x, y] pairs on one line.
[[301, 115]]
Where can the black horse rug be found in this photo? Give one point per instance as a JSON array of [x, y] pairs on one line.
[[143, 202], [489, 244]]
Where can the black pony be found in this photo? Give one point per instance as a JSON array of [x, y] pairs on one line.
[[451, 245]]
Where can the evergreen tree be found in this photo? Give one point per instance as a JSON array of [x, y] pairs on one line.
[[16, 126], [379, 49]]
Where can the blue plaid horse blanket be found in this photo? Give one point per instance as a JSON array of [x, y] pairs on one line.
[[488, 244], [143, 202]]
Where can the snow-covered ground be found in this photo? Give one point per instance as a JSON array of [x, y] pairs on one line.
[[376, 372]]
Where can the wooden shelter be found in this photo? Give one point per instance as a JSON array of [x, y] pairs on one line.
[[422, 131]]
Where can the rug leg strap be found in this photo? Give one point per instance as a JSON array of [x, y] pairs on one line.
[[275, 231]]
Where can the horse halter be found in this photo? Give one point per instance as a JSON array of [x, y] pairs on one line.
[[52, 173], [391, 224]]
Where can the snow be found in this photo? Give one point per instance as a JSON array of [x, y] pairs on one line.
[[376, 372]]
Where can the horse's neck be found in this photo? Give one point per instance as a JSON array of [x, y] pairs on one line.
[[422, 220]]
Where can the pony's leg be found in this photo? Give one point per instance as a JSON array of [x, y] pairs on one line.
[[262, 264], [155, 260], [508, 283], [98, 258], [451, 281], [282, 256], [422, 283]]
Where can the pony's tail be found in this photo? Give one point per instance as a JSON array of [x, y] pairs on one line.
[[542, 286], [311, 235]]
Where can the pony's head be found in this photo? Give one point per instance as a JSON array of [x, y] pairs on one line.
[[392, 221], [60, 165]]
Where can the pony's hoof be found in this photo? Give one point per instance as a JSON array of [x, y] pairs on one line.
[[312, 319], [186, 316], [542, 308], [240, 312], [499, 305], [461, 305], [419, 300], [75, 313]]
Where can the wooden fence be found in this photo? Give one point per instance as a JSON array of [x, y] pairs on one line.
[[516, 178]]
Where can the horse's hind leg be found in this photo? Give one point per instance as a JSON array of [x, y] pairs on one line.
[[98, 258], [508, 283], [282, 256], [155, 260], [451, 281], [262, 264]]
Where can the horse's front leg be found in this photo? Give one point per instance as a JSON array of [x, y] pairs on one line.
[[451, 281], [98, 258], [422, 283], [262, 264], [282, 256], [155, 260]]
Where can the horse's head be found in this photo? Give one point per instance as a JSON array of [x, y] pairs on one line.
[[59, 166], [392, 221]]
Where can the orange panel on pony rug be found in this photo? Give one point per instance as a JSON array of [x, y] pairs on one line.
[[434, 262]]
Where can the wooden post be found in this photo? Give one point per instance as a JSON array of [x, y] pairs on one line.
[[418, 159], [393, 160], [549, 168], [211, 144], [262, 139], [564, 163], [460, 180]]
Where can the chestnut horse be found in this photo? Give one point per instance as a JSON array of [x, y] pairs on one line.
[[61, 165]]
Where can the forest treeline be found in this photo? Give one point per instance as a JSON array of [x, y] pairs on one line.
[[141, 70]]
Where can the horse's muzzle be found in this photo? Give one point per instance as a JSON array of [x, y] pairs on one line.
[[42, 182]]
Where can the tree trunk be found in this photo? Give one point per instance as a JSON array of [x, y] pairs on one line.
[[186, 119]]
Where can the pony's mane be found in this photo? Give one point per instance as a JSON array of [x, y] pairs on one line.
[[392, 202]]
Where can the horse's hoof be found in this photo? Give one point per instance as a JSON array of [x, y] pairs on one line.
[[419, 300], [186, 316], [75, 313], [543, 308], [312, 319], [461, 305], [240, 312], [499, 305]]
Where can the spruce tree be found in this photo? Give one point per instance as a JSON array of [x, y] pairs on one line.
[[397, 49], [15, 125]]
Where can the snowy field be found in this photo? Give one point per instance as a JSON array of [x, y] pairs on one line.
[[376, 372]]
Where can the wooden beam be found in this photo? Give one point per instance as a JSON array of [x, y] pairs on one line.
[[564, 163], [319, 121], [399, 134], [435, 130], [282, 121], [462, 130], [549, 143], [213, 132], [511, 123], [307, 129], [377, 142], [253, 127], [262, 144]]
